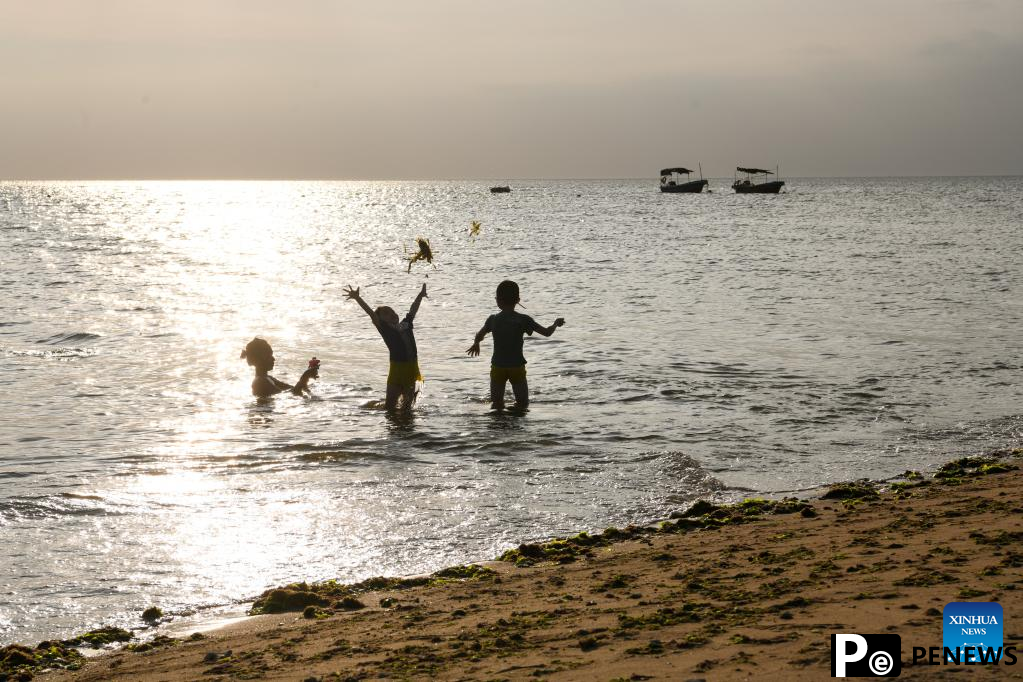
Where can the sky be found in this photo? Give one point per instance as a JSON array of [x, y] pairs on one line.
[[466, 89]]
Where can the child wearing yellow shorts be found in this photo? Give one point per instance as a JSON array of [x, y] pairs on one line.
[[401, 346]]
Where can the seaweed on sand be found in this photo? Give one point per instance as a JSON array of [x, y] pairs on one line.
[[298, 596]]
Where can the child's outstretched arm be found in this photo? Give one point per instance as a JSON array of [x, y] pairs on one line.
[[547, 331], [312, 372], [415, 304], [474, 349], [279, 386], [353, 295]]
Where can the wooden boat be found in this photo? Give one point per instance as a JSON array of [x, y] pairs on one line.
[[500, 189], [671, 181], [751, 184]]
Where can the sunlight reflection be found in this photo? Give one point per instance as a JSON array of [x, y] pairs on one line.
[[234, 543], [172, 488]]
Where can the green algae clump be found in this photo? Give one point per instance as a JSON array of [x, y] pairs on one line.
[[294, 597], [852, 490], [297, 596], [19, 662], [701, 515], [16, 655], [750, 509], [100, 637], [699, 508], [349, 604], [459, 573], [964, 466], [152, 614]]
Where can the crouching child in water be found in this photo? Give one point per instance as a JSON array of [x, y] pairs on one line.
[[401, 346], [508, 327], [260, 357]]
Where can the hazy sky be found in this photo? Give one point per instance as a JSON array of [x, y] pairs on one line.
[[510, 89]]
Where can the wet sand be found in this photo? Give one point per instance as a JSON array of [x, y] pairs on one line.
[[739, 593]]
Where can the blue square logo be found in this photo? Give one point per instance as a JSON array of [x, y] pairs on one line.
[[973, 627]]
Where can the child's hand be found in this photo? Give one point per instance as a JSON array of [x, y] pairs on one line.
[[474, 350], [422, 292], [559, 322], [351, 294]]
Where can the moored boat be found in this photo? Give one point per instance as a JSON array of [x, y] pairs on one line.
[[501, 189], [671, 181], [753, 184]]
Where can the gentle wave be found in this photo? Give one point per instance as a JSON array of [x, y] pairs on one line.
[[69, 337]]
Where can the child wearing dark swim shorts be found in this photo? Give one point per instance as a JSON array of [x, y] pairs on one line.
[[508, 365]]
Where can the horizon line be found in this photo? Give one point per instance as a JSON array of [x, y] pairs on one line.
[[478, 179]]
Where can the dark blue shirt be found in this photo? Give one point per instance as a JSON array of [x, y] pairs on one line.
[[508, 328], [401, 342]]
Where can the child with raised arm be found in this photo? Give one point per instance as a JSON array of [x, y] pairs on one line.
[[260, 357], [508, 363], [401, 346]]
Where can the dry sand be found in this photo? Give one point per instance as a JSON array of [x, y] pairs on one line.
[[753, 600]]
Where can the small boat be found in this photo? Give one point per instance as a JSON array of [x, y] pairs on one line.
[[751, 185], [671, 181], [500, 189]]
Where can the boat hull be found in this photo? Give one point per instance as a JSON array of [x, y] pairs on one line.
[[500, 190], [693, 187], [763, 188]]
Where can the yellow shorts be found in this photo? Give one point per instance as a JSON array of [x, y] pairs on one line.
[[515, 375], [404, 373]]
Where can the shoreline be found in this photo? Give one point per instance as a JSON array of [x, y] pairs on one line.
[[752, 589]]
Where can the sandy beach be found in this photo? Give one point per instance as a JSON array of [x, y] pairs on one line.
[[751, 591]]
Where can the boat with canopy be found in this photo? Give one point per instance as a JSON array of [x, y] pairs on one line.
[[754, 184], [671, 181]]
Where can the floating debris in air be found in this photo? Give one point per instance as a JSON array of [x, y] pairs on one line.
[[424, 252]]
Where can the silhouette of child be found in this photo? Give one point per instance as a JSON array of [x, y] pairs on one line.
[[260, 357], [401, 346], [508, 363]]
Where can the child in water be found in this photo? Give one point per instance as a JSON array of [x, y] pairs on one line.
[[260, 357], [508, 363], [401, 346]]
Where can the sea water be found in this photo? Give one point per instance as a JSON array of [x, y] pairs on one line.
[[716, 346]]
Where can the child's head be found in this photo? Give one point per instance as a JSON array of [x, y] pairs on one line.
[[259, 354], [507, 294], [387, 315]]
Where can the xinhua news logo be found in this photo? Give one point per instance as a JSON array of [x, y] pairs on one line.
[[866, 655], [974, 628]]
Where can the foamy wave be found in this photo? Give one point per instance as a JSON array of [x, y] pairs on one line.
[[55, 506], [70, 337], [60, 353]]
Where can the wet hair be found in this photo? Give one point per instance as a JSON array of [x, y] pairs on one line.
[[257, 352], [507, 293], [384, 310]]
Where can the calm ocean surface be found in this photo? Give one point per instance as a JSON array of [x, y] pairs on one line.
[[716, 345]]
